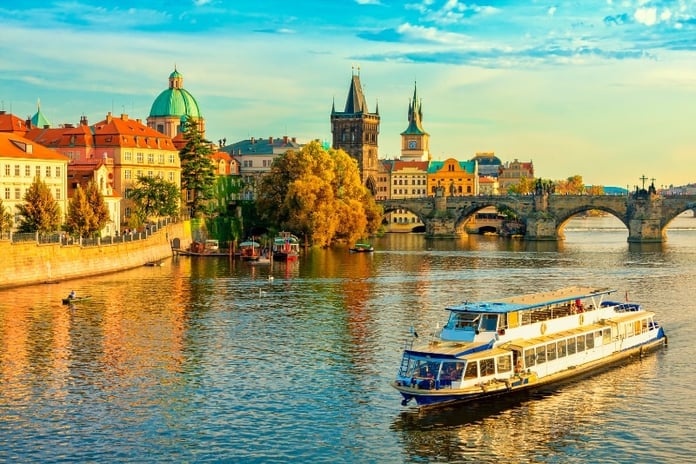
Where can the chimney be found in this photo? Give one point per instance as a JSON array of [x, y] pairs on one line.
[[124, 117], [109, 117], [83, 121], [270, 140], [285, 139], [294, 139], [253, 140]]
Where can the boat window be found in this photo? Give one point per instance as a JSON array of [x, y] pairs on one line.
[[503, 363], [561, 350], [529, 357], [487, 367], [581, 343], [571, 346], [471, 370], [606, 336], [643, 326], [490, 322], [541, 354], [464, 321], [451, 371], [589, 341], [551, 351]]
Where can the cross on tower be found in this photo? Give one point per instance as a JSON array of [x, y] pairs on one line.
[[643, 178]]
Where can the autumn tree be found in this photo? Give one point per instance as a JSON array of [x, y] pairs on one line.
[[571, 186], [317, 193], [87, 212], [5, 219], [154, 197], [197, 169], [523, 187], [40, 212]]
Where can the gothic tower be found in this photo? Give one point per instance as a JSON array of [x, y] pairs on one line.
[[355, 130], [415, 142]]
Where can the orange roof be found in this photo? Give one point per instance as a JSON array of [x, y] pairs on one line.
[[15, 146], [125, 132]]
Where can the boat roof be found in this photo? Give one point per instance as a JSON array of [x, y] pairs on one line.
[[529, 301]]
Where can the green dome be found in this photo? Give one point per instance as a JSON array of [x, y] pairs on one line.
[[175, 102]]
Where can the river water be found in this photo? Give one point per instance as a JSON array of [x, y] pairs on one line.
[[207, 360]]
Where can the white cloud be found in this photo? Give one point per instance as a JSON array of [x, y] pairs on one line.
[[368, 2], [431, 34], [646, 16]]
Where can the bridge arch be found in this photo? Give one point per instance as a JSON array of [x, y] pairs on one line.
[[393, 208], [570, 214]]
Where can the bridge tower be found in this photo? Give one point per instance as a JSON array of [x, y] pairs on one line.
[[645, 217], [355, 130]]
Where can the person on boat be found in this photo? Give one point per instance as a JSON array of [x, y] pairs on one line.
[[72, 295]]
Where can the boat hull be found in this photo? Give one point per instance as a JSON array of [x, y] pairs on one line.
[[526, 382], [67, 301]]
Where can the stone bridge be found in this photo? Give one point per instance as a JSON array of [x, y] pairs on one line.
[[645, 214]]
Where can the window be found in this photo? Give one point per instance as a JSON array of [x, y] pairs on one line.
[[503, 363], [7, 170], [18, 194], [541, 354], [561, 349], [529, 357], [487, 367], [58, 194], [581, 343], [16, 170], [38, 171], [127, 174], [160, 158], [551, 351], [171, 158], [127, 156], [48, 171], [139, 157], [471, 370], [27, 170], [151, 158], [171, 177], [150, 174], [7, 193], [571, 346], [57, 171], [589, 341]]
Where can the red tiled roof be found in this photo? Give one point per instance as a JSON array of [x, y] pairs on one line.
[[11, 123], [125, 132]]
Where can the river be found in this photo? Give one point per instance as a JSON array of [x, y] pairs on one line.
[[207, 360]]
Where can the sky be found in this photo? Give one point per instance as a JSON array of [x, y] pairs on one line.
[[601, 89]]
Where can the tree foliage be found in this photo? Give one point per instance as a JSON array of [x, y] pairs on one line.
[[197, 169], [523, 187], [154, 197], [5, 218], [318, 194], [87, 212], [571, 186], [40, 212]]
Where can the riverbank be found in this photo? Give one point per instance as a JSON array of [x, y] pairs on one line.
[[29, 263]]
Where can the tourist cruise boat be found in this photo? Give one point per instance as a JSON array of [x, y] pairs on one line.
[[494, 348]]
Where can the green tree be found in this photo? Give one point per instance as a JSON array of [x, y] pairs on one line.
[[40, 212], [197, 169], [5, 219], [318, 194], [154, 197]]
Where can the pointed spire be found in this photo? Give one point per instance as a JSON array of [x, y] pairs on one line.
[[333, 105], [415, 114]]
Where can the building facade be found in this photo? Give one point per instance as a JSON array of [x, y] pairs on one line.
[[453, 177], [22, 161], [511, 173]]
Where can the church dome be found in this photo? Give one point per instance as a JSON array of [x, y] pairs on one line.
[[175, 101]]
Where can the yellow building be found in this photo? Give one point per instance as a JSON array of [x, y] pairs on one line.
[[21, 162], [453, 177]]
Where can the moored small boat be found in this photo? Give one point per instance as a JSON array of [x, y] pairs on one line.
[[500, 347], [286, 247], [362, 247], [250, 250]]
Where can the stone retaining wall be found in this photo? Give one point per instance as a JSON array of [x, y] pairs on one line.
[[31, 263]]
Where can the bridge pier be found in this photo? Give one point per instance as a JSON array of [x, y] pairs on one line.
[[541, 229], [645, 224]]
